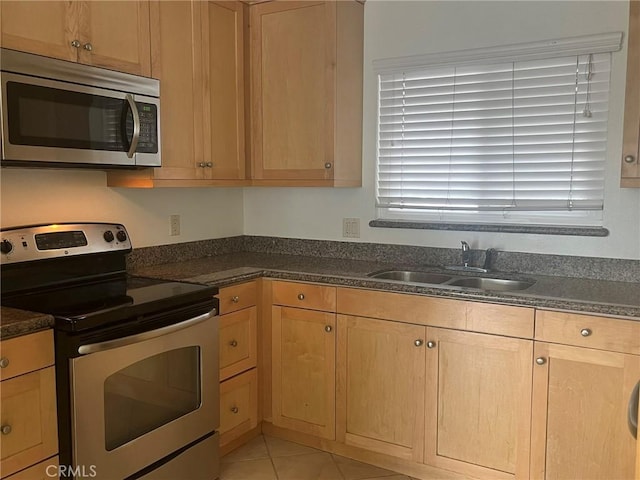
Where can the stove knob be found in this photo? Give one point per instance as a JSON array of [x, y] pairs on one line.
[[121, 236], [108, 236], [6, 246]]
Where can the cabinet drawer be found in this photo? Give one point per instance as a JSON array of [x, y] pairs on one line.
[[28, 408], [238, 342], [26, 353], [588, 331], [304, 295], [237, 297], [46, 470], [438, 312], [238, 405]]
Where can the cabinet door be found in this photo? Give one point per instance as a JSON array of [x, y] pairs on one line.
[[303, 368], [380, 386], [175, 31], [631, 132], [238, 406], [118, 32], [580, 407], [293, 48], [478, 403], [42, 27], [224, 87]]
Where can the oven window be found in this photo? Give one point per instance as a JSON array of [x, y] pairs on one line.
[[150, 393]]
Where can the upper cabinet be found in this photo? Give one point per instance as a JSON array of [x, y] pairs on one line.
[[197, 51], [306, 93], [631, 132], [107, 34]]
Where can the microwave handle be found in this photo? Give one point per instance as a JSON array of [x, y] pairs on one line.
[[136, 126]]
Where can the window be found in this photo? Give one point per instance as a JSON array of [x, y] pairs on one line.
[[509, 135]]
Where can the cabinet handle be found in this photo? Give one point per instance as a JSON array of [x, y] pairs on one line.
[[418, 342], [234, 410], [235, 299], [629, 158], [328, 328], [233, 343], [5, 429], [75, 44], [136, 126], [88, 47], [431, 344], [585, 332], [327, 165], [301, 296], [541, 360], [632, 415], [4, 362]]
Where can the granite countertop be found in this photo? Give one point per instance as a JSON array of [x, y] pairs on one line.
[[15, 322], [549, 292]]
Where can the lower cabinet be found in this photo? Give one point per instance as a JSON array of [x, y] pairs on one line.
[[238, 406], [380, 386], [303, 370], [580, 407], [478, 403]]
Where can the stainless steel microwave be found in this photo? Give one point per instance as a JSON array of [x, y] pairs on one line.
[[58, 113]]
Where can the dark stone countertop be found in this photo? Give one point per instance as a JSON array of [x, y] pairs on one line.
[[597, 297], [15, 322]]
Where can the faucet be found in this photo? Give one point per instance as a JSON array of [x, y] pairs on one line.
[[466, 254]]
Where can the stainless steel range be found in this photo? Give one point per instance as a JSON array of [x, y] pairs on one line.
[[136, 358]]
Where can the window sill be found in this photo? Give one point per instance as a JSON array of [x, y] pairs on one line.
[[494, 227]]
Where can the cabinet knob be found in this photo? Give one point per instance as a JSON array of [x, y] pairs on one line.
[[5, 429], [75, 44], [328, 328], [418, 342], [431, 344], [235, 299], [208, 164], [4, 362], [327, 165], [585, 332], [233, 343], [629, 158], [541, 360], [201, 164], [234, 410], [88, 47], [301, 296]]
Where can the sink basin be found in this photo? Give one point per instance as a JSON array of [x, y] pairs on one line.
[[491, 284], [411, 276]]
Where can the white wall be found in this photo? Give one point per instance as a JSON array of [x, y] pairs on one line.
[[32, 196], [399, 28]]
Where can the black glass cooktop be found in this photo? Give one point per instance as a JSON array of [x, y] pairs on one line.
[[101, 303]]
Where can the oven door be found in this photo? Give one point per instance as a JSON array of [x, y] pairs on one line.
[[141, 398]]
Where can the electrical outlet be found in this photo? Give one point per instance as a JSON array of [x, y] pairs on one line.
[[351, 227], [174, 225]]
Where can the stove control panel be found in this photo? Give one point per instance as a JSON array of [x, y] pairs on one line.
[[39, 242]]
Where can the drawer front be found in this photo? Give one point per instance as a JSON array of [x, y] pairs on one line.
[[588, 331], [46, 470], [25, 354], [28, 409], [304, 295], [237, 297], [238, 405], [437, 312], [238, 342]]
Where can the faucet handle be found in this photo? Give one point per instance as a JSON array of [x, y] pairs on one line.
[[465, 246], [488, 258]]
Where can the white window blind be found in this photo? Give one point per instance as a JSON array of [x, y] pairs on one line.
[[494, 135]]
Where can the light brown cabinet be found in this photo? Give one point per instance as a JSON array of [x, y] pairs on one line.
[[380, 388], [631, 131], [27, 402], [112, 35], [306, 93], [198, 56]]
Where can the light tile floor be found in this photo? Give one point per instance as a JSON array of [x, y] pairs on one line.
[[269, 458]]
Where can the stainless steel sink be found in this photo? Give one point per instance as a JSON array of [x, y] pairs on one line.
[[491, 284], [411, 276]]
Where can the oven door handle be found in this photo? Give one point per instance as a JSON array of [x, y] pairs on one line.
[[158, 332]]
